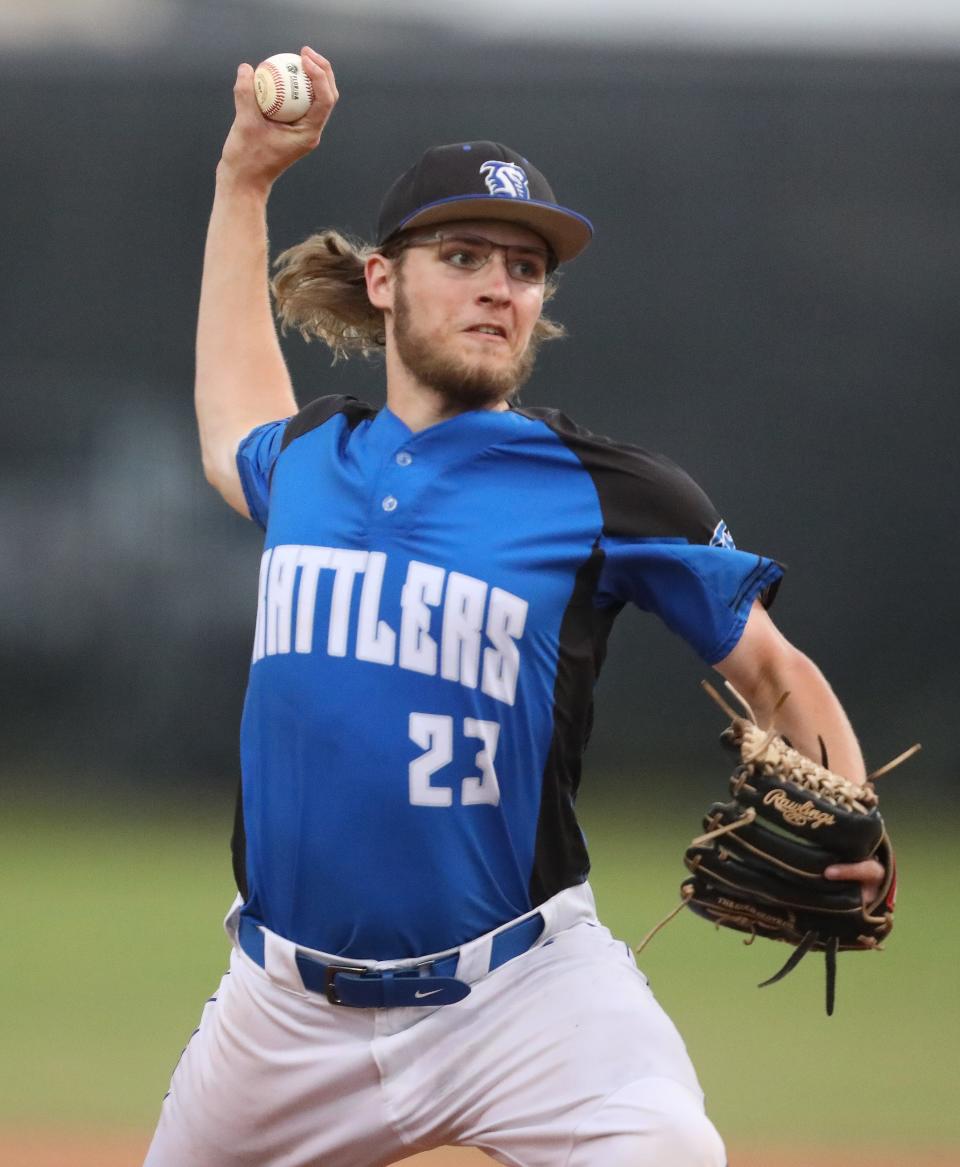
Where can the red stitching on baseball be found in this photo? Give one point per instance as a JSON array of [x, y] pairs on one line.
[[279, 93]]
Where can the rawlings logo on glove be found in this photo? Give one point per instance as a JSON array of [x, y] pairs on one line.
[[795, 813]]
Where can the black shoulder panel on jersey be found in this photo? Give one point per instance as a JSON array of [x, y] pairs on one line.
[[322, 409], [642, 494], [560, 855]]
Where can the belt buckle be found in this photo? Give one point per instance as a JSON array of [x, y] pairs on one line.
[[329, 979]]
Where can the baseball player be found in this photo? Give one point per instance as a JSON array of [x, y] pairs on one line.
[[417, 960]]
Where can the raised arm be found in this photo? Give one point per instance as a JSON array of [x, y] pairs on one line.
[[241, 378]]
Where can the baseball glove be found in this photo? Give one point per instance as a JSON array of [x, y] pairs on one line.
[[758, 866]]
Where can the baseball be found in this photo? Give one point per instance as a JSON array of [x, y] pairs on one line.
[[283, 89]]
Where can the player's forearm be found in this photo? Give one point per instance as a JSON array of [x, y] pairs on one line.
[[241, 378], [763, 666], [811, 712]]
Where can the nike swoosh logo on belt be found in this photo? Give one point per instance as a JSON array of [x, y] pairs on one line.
[[418, 994]]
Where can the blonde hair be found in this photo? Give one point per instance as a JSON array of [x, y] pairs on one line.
[[320, 290]]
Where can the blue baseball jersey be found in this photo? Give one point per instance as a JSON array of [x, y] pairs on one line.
[[432, 615]]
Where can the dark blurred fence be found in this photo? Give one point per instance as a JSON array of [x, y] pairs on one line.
[[772, 299]]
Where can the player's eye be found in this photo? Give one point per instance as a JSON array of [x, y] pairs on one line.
[[530, 268], [464, 253]]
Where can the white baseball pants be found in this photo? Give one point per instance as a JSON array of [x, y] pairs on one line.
[[559, 1058]]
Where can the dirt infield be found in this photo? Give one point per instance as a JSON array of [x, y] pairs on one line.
[[90, 1149]]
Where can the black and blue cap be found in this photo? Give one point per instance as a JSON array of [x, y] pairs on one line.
[[481, 180]]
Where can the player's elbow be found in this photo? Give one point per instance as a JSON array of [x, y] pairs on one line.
[[220, 470], [218, 455], [213, 464], [213, 469]]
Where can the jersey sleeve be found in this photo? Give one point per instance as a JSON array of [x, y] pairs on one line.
[[665, 547], [670, 553], [256, 456], [702, 592]]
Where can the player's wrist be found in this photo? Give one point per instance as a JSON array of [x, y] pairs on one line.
[[243, 182]]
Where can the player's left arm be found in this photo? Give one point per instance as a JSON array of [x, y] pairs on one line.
[[762, 667]]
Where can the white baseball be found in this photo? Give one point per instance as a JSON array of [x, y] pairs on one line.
[[283, 89]]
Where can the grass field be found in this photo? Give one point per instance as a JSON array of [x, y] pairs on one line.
[[113, 943]]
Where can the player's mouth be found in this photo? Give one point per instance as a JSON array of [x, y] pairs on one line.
[[489, 332]]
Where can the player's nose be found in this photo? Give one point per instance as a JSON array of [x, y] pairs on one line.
[[496, 284]]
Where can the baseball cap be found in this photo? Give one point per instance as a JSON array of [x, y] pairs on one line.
[[481, 180]]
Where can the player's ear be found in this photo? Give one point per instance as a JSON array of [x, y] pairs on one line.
[[379, 273]]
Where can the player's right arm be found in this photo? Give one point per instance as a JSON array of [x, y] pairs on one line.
[[241, 378]]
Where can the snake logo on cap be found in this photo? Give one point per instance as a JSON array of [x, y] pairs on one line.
[[506, 179], [721, 537]]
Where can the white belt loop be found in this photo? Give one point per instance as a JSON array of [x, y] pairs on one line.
[[231, 922], [474, 961], [280, 962], [568, 907]]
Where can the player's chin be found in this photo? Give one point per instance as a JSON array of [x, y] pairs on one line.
[[503, 367], [478, 384]]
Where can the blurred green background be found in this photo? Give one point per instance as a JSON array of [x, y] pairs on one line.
[[117, 944]]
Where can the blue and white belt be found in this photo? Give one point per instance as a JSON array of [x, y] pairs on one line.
[[431, 983], [441, 979]]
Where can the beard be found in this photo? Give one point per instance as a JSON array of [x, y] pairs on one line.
[[461, 383]]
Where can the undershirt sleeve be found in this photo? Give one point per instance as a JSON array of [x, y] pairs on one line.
[[256, 456]]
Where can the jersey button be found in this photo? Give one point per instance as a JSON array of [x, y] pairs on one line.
[[389, 503], [404, 458]]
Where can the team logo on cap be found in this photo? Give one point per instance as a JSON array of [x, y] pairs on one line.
[[506, 179], [721, 537]]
